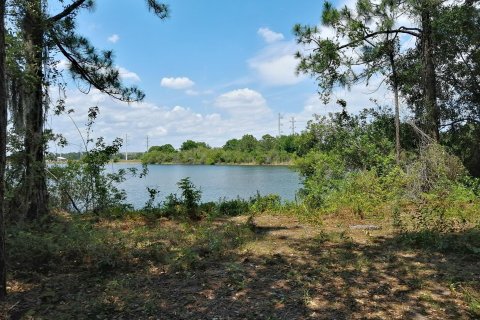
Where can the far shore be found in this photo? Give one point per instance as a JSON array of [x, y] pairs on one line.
[[283, 164], [136, 161]]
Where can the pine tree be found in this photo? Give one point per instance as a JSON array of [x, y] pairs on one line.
[[3, 151], [43, 34], [372, 28]]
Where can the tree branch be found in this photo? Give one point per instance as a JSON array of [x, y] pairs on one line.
[[74, 62], [72, 7], [83, 73], [74, 205], [459, 121], [374, 34]]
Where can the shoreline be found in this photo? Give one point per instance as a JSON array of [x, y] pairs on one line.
[[289, 164], [245, 164]]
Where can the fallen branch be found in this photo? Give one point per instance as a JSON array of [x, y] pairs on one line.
[[66, 192]]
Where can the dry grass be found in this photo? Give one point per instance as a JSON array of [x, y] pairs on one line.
[[283, 269]]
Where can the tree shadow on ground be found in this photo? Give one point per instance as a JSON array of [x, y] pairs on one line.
[[319, 277]]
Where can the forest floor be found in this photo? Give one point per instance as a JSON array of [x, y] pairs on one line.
[[222, 269]]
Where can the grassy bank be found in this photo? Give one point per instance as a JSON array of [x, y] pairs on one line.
[[276, 164], [280, 267]]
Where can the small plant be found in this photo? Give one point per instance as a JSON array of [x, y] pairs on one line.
[[473, 299], [264, 203], [396, 217], [171, 205], [84, 185], [233, 207], [152, 195], [190, 198]]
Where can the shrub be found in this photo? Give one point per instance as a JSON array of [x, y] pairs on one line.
[[172, 205], [361, 194], [434, 168], [190, 198], [322, 173], [65, 243], [208, 208], [233, 207], [268, 202]]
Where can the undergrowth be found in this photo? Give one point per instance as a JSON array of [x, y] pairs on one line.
[[98, 245]]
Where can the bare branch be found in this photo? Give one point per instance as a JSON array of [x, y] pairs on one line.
[[468, 119], [374, 34], [68, 10]]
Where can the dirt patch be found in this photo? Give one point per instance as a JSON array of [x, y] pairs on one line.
[[287, 270]]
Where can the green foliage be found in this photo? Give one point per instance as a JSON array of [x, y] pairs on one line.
[[247, 150], [340, 145], [172, 206], [57, 243], [210, 242], [88, 244], [231, 144], [322, 174], [85, 185], [463, 140], [368, 30], [152, 195], [270, 202], [361, 195], [190, 198], [248, 143], [233, 207], [163, 148], [350, 171], [190, 145], [467, 242]]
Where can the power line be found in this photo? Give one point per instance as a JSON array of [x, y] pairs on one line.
[[280, 117], [293, 125], [126, 142]]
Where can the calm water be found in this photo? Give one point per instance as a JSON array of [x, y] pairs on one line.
[[215, 182]]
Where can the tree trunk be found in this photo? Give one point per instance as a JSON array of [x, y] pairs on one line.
[[34, 185], [397, 105], [429, 80], [397, 125], [3, 152]]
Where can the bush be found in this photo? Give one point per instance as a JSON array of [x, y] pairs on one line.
[[433, 169], [322, 173], [208, 208], [268, 202], [430, 191], [172, 205], [233, 207], [190, 198], [65, 243], [361, 194]]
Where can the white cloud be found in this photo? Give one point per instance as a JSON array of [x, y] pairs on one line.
[[276, 65], [239, 112], [358, 98], [191, 92], [128, 75], [270, 36], [243, 102], [177, 83], [113, 38]]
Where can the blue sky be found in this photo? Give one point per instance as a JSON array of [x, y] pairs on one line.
[[214, 70]]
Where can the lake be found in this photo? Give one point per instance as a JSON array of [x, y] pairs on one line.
[[215, 182]]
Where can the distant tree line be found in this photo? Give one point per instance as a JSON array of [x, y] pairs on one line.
[[246, 150]]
